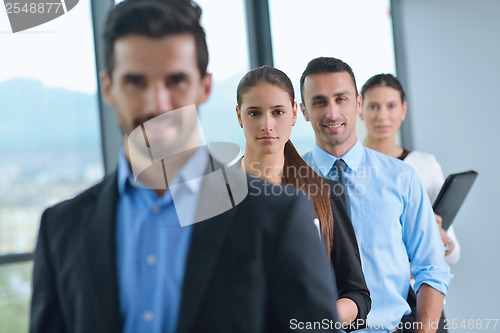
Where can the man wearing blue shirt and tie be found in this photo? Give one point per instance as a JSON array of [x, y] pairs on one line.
[[390, 211]]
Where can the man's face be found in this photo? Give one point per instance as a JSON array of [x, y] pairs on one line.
[[330, 104], [151, 77]]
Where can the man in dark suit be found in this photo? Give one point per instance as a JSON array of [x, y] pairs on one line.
[[116, 258]]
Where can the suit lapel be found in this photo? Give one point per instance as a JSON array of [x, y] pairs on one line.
[[206, 242], [99, 244]]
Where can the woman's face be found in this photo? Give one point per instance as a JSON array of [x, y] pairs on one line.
[[383, 112], [266, 115]]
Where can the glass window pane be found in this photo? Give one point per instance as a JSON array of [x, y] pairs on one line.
[[228, 50], [49, 133], [358, 31], [15, 293]]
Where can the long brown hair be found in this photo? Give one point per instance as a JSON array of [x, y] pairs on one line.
[[296, 171]]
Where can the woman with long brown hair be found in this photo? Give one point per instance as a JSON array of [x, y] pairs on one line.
[[266, 111]]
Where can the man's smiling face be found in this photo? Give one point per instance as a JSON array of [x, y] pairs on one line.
[[331, 104]]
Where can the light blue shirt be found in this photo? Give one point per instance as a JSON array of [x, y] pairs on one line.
[[152, 247], [394, 223]]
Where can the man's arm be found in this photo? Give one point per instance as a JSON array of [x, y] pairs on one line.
[[429, 308], [46, 315], [426, 252]]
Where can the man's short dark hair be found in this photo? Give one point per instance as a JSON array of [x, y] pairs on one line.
[[156, 19], [324, 65]]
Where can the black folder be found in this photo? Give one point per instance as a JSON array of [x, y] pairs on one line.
[[452, 195]]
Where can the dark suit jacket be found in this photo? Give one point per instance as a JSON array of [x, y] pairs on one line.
[[251, 269]]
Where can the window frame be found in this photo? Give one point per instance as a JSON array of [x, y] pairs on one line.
[[110, 135]]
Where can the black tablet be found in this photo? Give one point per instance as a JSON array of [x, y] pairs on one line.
[[452, 195]]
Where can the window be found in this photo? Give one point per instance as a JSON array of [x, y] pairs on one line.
[[15, 293], [228, 50], [49, 138], [359, 32]]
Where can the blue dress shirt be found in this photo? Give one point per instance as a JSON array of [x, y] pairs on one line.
[[394, 223], [152, 247]]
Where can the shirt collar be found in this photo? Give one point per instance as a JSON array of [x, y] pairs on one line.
[[124, 175], [190, 174], [325, 160]]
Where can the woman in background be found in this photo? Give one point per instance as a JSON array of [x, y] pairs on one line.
[[384, 109], [266, 111]]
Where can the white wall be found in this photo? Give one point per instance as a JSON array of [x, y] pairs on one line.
[[452, 74]]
